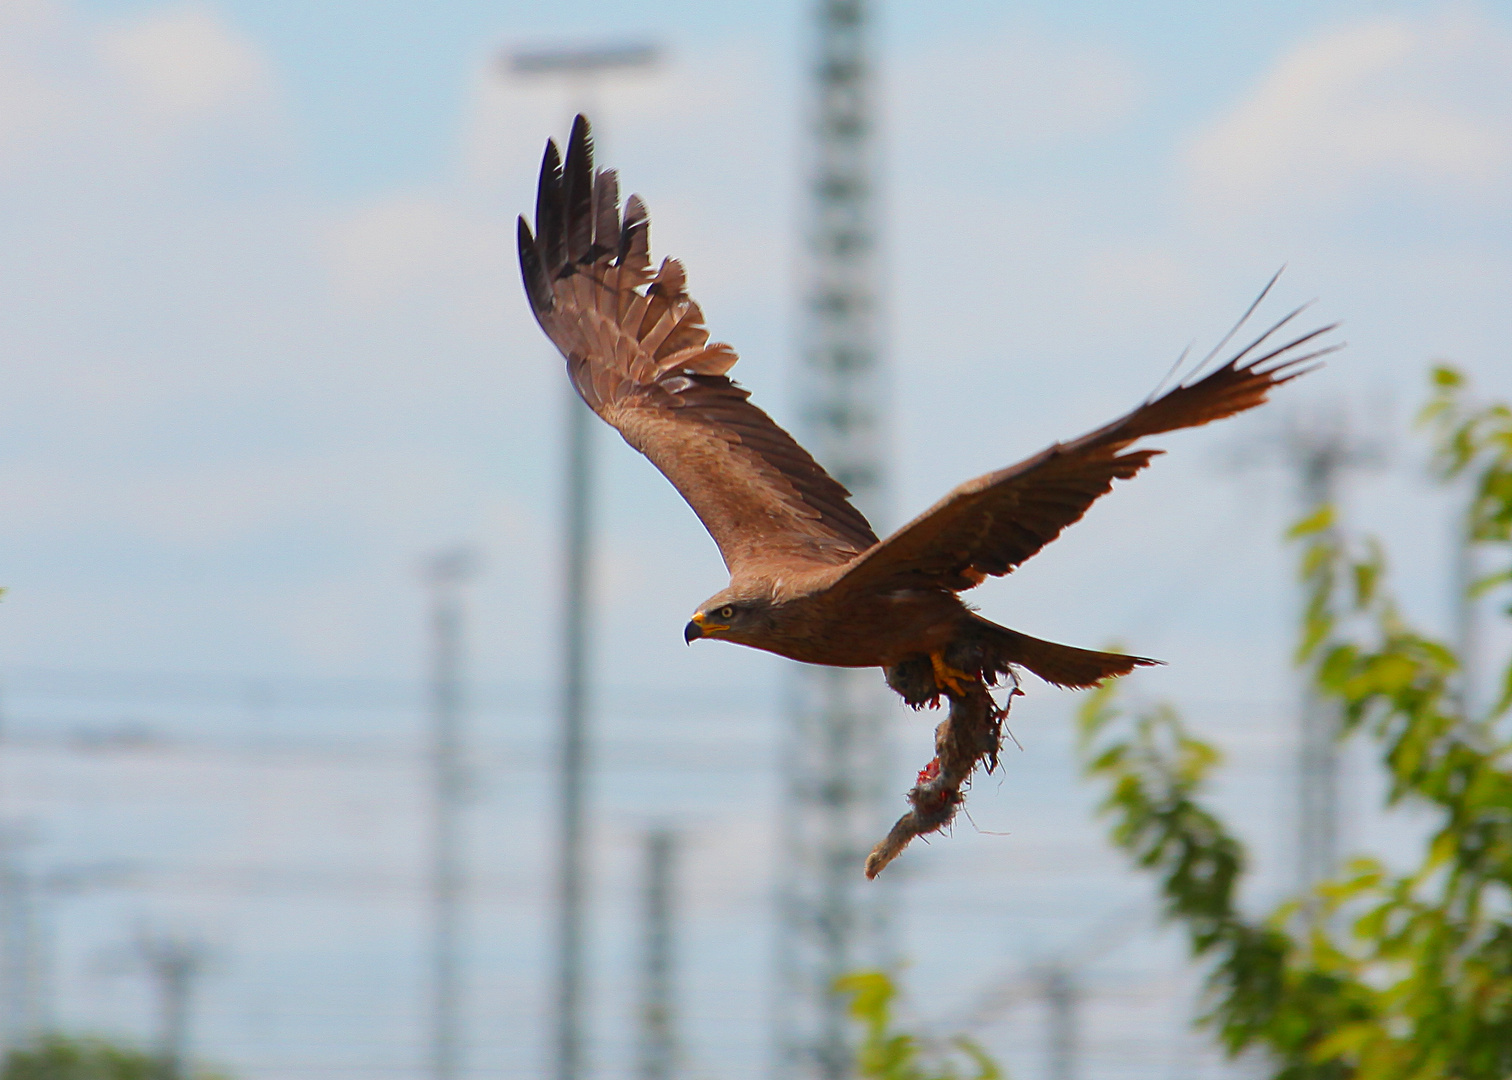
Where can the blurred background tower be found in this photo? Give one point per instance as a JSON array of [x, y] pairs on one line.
[[173, 963], [658, 1005], [1062, 993], [831, 919], [1464, 618], [582, 69], [21, 993], [1320, 451], [446, 573]]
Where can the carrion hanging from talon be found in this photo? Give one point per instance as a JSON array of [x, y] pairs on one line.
[[809, 579]]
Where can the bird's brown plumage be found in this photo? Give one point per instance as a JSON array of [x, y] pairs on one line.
[[640, 356], [809, 577]]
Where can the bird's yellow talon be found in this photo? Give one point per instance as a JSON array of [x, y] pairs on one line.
[[947, 677]]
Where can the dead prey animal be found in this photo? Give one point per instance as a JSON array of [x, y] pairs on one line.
[[809, 579]]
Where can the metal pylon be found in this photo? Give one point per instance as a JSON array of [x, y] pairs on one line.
[[1321, 453], [832, 920], [658, 1005], [445, 574]]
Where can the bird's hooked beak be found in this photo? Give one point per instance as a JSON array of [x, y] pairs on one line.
[[700, 626]]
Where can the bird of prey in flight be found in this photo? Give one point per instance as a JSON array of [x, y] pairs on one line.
[[809, 579]]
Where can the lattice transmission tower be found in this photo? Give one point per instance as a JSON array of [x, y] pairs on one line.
[[831, 919], [1321, 452]]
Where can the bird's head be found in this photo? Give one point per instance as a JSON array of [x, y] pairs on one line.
[[732, 614]]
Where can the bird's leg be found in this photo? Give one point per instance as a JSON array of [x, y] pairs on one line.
[[948, 678]]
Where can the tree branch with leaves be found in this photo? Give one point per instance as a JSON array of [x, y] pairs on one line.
[[1399, 975]]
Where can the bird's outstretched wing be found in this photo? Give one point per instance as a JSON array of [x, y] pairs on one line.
[[639, 355], [988, 526]]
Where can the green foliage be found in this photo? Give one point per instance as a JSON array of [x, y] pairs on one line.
[[885, 1054], [59, 1057], [1476, 442], [1378, 975]]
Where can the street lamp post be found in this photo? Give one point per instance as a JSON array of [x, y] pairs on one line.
[[581, 69]]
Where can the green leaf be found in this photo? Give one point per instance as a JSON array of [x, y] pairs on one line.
[[1320, 520], [871, 992], [987, 1069], [1483, 585], [886, 1054], [1505, 700]]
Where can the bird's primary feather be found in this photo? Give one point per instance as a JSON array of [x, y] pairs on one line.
[[990, 525], [640, 356]]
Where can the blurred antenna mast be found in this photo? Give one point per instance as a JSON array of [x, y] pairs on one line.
[[1464, 573], [1462, 580], [581, 69], [28, 903], [836, 759], [1059, 982], [445, 573], [658, 1016], [16, 937], [21, 994], [174, 963], [1320, 452], [1063, 998]]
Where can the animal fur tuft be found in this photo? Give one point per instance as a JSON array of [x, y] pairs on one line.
[[972, 732]]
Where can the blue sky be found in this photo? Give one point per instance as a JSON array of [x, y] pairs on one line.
[[265, 349], [375, 86]]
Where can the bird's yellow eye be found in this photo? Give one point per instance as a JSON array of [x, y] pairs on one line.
[[727, 612]]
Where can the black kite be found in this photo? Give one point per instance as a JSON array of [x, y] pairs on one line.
[[809, 579]]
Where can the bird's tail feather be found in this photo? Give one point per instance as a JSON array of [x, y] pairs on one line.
[[1063, 665]]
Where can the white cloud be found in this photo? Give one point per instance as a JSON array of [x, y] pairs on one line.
[[1140, 275], [1368, 110], [453, 242], [186, 63], [394, 244], [36, 96], [87, 98]]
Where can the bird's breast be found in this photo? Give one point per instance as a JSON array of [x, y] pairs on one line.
[[868, 630]]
